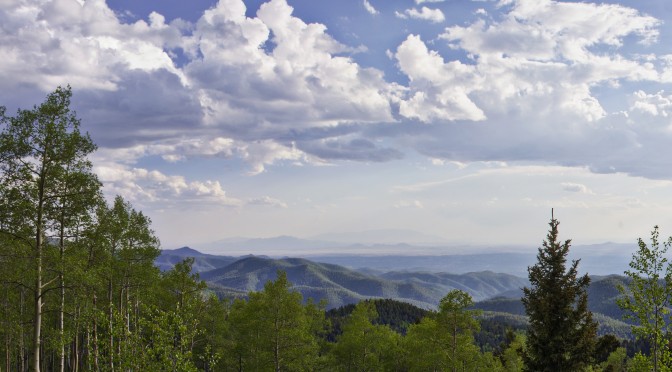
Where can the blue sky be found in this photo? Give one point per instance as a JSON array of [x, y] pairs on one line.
[[467, 120]]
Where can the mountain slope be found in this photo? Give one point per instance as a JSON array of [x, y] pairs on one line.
[[602, 294], [339, 285], [481, 285], [202, 262]]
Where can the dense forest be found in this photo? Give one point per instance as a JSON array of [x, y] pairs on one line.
[[79, 291]]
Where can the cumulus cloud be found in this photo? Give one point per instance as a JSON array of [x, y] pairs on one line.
[[438, 90], [249, 80], [425, 14], [369, 8], [529, 78], [541, 53], [270, 88], [151, 186], [299, 83], [655, 104]]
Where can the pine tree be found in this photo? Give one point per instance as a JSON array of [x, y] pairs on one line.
[[562, 333]]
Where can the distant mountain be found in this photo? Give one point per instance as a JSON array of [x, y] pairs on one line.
[[497, 294], [202, 262], [340, 285], [511, 263], [481, 285], [597, 259], [183, 252], [382, 237], [395, 250], [279, 245]]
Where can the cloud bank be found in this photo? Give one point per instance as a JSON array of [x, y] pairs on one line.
[[530, 83]]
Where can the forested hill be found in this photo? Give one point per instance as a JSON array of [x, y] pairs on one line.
[[497, 294], [202, 261], [339, 285]]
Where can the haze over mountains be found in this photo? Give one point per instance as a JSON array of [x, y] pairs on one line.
[[398, 249], [339, 285], [403, 265], [356, 278]]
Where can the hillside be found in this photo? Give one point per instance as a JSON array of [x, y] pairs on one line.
[[481, 285], [498, 295], [202, 261], [602, 294], [340, 286]]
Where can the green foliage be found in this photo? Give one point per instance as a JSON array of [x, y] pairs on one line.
[[47, 190], [444, 340], [647, 296], [605, 346], [640, 363], [78, 285], [395, 314], [561, 335], [616, 361], [364, 346], [512, 355], [273, 330]]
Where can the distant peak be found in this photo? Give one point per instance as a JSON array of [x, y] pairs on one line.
[[184, 251]]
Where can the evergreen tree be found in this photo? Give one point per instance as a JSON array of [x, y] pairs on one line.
[[562, 333]]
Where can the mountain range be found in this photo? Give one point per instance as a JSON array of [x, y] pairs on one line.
[[393, 250], [498, 294]]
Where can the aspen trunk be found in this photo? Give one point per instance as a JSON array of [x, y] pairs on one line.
[[37, 320], [111, 324], [61, 322], [8, 354], [22, 342], [61, 280], [95, 339]]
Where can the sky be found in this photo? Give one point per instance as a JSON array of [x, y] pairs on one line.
[[466, 120]]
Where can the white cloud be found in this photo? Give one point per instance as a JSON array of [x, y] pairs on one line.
[[369, 8], [542, 53], [267, 200], [274, 89], [438, 90], [244, 79], [576, 187], [425, 14], [82, 44], [151, 186], [409, 204], [656, 104], [530, 78], [299, 83]]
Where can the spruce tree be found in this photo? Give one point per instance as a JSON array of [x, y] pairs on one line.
[[561, 333]]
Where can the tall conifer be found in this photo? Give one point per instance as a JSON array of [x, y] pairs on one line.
[[561, 334]]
